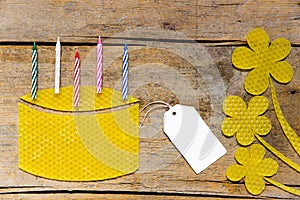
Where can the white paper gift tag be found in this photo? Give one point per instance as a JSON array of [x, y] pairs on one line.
[[192, 137]]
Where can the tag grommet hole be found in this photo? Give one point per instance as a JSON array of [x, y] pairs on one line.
[[173, 113]]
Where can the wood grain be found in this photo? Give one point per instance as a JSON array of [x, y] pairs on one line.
[[101, 196], [205, 20], [160, 70], [162, 169]]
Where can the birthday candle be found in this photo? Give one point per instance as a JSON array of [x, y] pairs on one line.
[[34, 72], [125, 73], [76, 79], [57, 67], [99, 66]]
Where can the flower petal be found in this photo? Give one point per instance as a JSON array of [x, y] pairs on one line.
[[235, 172], [230, 126], [282, 72], [258, 40], [257, 81], [279, 49], [245, 136], [242, 156], [258, 105], [267, 167], [257, 153], [254, 184], [244, 58], [262, 125], [233, 106]]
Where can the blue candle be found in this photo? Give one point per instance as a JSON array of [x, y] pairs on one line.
[[125, 73]]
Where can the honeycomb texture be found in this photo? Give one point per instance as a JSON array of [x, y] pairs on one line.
[[245, 121], [264, 60], [290, 133], [253, 167], [79, 145], [89, 99]]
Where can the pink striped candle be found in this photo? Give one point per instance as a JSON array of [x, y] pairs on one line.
[[76, 79], [99, 66]]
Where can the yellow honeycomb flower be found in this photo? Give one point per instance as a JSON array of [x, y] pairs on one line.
[[245, 122], [253, 167], [264, 59]]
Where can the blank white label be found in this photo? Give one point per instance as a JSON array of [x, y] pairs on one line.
[[192, 137]]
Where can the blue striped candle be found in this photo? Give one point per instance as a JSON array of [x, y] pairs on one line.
[[34, 72], [125, 73]]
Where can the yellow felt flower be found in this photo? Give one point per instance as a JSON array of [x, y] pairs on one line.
[[264, 59], [253, 167], [245, 122]]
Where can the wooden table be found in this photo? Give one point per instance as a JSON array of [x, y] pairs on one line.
[[158, 72]]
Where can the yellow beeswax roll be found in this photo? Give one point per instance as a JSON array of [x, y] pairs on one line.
[[96, 141]]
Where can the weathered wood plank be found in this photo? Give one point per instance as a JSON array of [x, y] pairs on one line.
[[155, 70], [162, 168], [102, 196], [205, 20]]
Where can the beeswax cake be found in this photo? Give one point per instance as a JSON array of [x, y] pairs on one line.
[[96, 141]]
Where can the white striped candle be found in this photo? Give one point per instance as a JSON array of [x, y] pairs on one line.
[[125, 73]]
